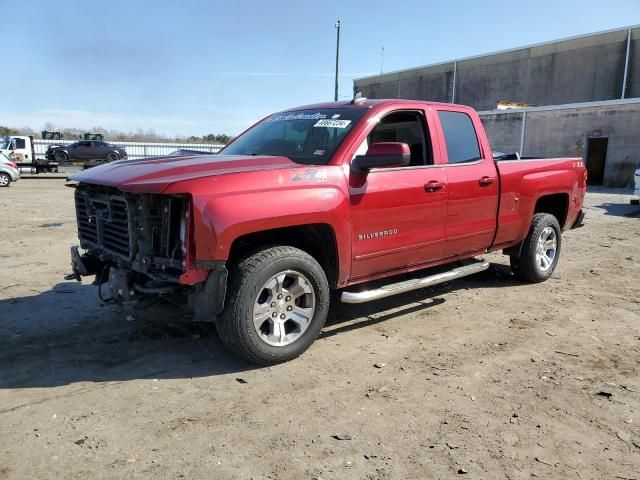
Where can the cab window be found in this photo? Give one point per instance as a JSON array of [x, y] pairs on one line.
[[405, 127], [460, 137]]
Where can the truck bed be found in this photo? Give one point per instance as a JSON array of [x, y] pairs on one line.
[[523, 181]]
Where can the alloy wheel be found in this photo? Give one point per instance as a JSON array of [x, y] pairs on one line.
[[284, 308]]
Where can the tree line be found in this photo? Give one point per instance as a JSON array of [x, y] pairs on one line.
[[139, 135]]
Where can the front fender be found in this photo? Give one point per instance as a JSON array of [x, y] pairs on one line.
[[227, 207]]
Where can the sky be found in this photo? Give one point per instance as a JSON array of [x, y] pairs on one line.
[[194, 67]]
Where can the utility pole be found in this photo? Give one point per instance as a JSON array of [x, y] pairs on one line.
[[335, 97], [382, 61]]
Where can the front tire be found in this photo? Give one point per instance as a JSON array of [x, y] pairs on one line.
[[112, 157], [540, 250], [60, 157], [277, 303], [5, 180]]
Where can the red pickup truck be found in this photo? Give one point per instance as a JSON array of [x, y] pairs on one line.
[[321, 197]]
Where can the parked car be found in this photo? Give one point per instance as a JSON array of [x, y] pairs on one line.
[[86, 150], [328, 196], [9, 171]]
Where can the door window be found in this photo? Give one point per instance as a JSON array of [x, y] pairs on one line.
[[404, 127], [460, 137], [19, 143]]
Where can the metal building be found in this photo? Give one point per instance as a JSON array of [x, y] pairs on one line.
[[576, 96]]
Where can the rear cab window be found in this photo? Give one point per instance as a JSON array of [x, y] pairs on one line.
[[460, 137]]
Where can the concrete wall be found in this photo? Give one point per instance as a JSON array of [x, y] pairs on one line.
[[552, 133], [504, 131], [583, 69], [434, 83], [633, 80]]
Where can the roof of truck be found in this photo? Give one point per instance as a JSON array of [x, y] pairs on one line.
[[367, 103]]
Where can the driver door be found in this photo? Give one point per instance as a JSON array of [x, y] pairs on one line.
[[399, 214]]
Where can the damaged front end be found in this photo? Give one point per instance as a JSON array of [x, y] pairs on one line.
[[136, 244]]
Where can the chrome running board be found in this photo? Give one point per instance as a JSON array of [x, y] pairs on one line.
[[409, 285]]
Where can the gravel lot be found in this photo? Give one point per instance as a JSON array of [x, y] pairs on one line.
[[483, 377]]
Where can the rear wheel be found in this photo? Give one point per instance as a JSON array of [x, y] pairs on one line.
[[61, 157], [276, 306], [540, 250], [5, 179]]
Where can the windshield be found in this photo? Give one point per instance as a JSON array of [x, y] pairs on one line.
[[304, 136], [4, 143]]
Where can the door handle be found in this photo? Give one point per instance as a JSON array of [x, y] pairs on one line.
[[433, 186], [486, 181]]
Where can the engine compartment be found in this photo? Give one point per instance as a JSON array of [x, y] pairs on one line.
[[141, 234]]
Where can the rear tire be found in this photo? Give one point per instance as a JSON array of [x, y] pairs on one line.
[[5, 180], [540, 250], [277, 303]]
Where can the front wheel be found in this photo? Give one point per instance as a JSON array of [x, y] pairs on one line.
[[5, 179], [540, 250], [277, 303], [60, 157], [112, 157]]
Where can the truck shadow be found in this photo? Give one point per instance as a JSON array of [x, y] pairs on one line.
[[620, 209], [63, 336]]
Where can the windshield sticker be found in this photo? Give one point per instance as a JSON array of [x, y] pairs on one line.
[[328, 123], [319, 152], [337, 115], [287, 117], [309, 175]]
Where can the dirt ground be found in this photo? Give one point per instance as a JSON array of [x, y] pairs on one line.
[[484, 378]]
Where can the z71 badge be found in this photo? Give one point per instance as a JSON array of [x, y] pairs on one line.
[[382, 234]]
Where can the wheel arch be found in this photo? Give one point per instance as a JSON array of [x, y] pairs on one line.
[[556, 204], [317, 239]]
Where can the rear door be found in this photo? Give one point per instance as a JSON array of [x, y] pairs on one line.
[[472, 183], [398, 214]]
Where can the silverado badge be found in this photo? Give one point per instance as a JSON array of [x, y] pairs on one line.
[[383, 233]]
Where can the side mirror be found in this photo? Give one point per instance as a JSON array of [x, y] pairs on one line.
[[382, 154]]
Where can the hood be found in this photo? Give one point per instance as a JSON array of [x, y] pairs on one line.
[[154, 175]]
